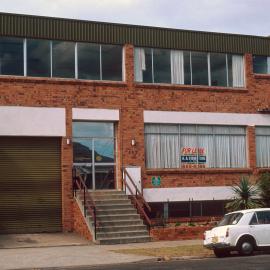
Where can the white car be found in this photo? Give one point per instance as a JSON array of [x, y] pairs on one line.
[[243, 231]]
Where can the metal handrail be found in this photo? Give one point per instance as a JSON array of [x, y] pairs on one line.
[[139, 200], [88, 202]]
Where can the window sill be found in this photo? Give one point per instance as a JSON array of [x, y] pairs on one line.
[[191, 87], [262, 170], [23, 79], [261, 76], [197, 171]]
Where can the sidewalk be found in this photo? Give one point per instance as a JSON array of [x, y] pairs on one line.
[[86, 255]]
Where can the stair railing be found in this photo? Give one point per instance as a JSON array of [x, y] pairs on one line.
[[137, 197], [79, 179]]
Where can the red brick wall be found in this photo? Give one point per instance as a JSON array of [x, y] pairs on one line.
[[178, 233], [131, 99], [79, 223]]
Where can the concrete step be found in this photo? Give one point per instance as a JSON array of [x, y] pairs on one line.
[[120, 223], [107, 235], [118, 217], [115, 201], [122, 228], [110, 197], [118, 206], [106, 191], [124, 240], [116, 211]]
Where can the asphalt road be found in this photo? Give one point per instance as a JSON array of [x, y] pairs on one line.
[[258, 262]]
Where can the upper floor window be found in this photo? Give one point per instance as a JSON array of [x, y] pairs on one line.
[[184, 67], [195, 146], [38, 58], [11, 56], [62, 59], [261, 64]]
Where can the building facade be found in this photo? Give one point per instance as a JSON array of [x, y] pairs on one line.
[[186, 112]]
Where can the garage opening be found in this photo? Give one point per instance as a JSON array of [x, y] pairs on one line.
[[30, 181]]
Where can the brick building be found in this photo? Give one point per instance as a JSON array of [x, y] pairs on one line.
[[185, 112]]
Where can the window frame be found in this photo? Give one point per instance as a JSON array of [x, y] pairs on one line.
[[197, 133], [75, 63], [228, 83]]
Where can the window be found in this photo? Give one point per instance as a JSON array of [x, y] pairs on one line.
[[38, 58], [94, 152], [111, 62], [146, 65], [88, 61], [199, 68], [230, 219], [11, 56], [162, 66], [188, 209], [195, 146], [185, 67], [263, 217], [218, 67], [261, 64], [63, 59], [263, 146]]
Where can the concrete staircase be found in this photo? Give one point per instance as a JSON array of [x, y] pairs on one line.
[[118, 220]]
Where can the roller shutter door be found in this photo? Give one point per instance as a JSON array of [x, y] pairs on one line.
[[30, 184]]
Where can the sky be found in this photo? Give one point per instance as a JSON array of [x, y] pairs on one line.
[[250, 17]]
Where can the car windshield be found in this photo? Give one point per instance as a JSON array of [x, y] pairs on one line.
[[230, 219]]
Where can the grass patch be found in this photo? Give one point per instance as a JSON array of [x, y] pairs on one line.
[[193, 250]]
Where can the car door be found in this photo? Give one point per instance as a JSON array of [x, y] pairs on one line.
[[260, 227]]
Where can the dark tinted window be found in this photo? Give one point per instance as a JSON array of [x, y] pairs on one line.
[[162, 66], [38, 58], [187, 71], [88, 61], [11, 56], [230, 77], [111, 56], [218, 69], [63, 59], [147, 73], [263, 217], [199, 68], [179, 209], [157, 210], [260, 64]]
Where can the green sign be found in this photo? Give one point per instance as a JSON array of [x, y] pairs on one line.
[[156, 181]]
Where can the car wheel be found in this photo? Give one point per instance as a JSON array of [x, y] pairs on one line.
[[246, 247], [221, 253]]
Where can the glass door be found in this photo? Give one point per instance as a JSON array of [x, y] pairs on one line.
[[94, 153]]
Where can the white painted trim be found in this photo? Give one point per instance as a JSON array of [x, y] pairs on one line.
[[95, 114], [76, 60], [187, 193], [206, 118], [32, 121], [124, 64], [25, 57]]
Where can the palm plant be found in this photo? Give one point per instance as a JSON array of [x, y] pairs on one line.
[[246, 196]]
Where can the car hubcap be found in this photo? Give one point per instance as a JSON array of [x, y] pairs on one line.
[[246, 247]]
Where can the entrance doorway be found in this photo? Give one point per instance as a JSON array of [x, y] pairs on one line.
[[94, 153]]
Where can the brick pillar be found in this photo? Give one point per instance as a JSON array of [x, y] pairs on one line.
[[250, 81], [129, 65], [67, 196], [131, 117]]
